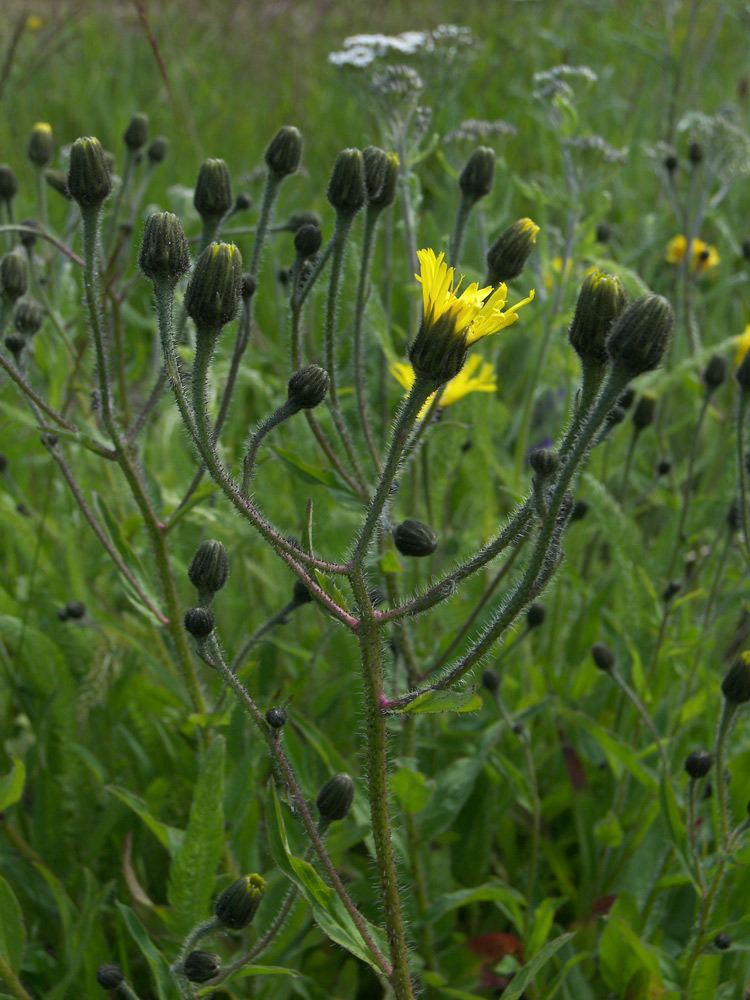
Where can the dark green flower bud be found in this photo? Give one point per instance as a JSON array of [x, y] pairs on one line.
[[535, 615], [544, 462], [376, 165], [307, 240], [158, 149], [28, 317], [238, 904], [490, 680], [603, 233], [413, 538], [75, 609], [626, 400], [213, 292], [199, 622], [615, 416], [14, 276], [580, 510], [640, 337], [200, 966], [715, 372], [213, 191], [276, 717], [164, 254], [135, 135], [302, 218], [8, 183], [284, 152], [89, 181], [335, 798], [722, 941], [477, 176], [308, 387], [507, 256], [695, 153], [29, 239], [242, 202], [110, 976], [663, 466], [62, 615], [736, 685], [58, 181], [387, 193], [600, 301], [346, 188], [301, 594], [603, 657], [671, 163], [698, 764], [734, 516], [15, 343], [644, 412], [41, 146], [209, 567], [671, 590]]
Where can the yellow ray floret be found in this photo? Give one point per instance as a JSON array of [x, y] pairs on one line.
[[476, 376], [704, 255]]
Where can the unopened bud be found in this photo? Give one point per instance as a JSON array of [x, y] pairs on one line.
[[670, 163], [671, 590], [695, 153], [715, 372], [209, 567], [335, 798], [8, 183], [535, 615], [15, 343], [308, 387], [507, 256], [41, 146], [199, 622], [164, 254], [26, 238], [248, 287], [284, 152], [200, 966], [603, 233], [736, 685], [722, 941], [603, 657], [580, 510], [301, 593], [307, 240], [58, 181], [213, 292], [643, 414], [89, 181], [14, 276], [376, 164], [387, 193], [698, 764], [135, 135], [627, 398], [28, 317], [110, 976], [304, 217], [490, 680], [544, 462], [213, 191], [477, 176], [158, 149], [600, 301], [276, 717], [238, 904], [346, 188], [640, 337], [413, 538], [75, 609], [663, 466]]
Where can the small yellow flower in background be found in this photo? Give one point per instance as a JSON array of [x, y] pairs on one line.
[[476, 376], [743, 345], [451, 320], [34, 22], [704, 255]]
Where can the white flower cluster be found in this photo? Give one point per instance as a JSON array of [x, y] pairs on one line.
[[360, 51]]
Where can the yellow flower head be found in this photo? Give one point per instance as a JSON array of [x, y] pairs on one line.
[[34, 22], [742, 342], [476, 376], [704, 256], [453, 321]]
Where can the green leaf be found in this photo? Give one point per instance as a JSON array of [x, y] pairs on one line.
[[608, 831], [490, 892], [12, 930], [328, 910], [526, 976], [159, 965], [251, 970], [314, 474], [466, 700], [618, 754], [543, 916], [330, 589], [11, 785], [676, 830], [390, 564], [168, 836], [193, 870], [411, 788]]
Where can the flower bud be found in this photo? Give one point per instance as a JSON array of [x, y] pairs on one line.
[[14, 276], [603, 657], [335, 798], [640, 337], [41, 146], [734, 516], [238, 904], [135, 135], [307, 240], [75, 609], [603, 233], [698, 764], [507, 256], [477, 176], [736, 685], [643, 414], [303, 218], [209, 567], [15, 343], [29, 239], [535, 615], [600, 301], [387, 193], [580, 510], [715, 372], [89, 182], [626, 400], [110, 976], [663, 466], [301, 594], [158, 149], [276, 717], [213, 191], [213, 292], [284, 152], [722, 941], [376, 165], [695, 153], [200, 966], [28, 317], [308, 387], [199, 622], [8, 183], [671, 163], [413, 538], [58, 181], [490, 680], [248, 286], [164, 254], [346, 188], [544, 462], [671, 590]]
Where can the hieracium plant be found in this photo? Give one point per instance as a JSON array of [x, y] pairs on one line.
[[380, 576]]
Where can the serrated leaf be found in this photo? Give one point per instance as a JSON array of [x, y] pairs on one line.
[[526, 976], [430, 702], [168, 836], [157, 962], [193, 870], [11, 784], [12, 930]]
